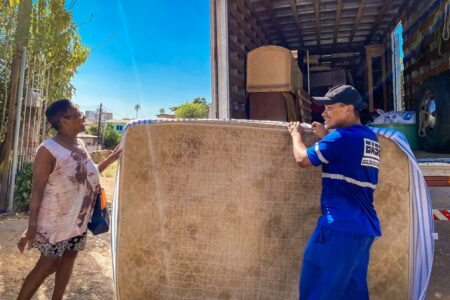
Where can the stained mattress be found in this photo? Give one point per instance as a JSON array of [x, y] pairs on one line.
[[220, 210]]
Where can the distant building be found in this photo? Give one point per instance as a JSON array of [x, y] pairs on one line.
[[93, 115], [88, 124], [107, 116], [90, 141], [165, 116], [118, 125], [90, 115]]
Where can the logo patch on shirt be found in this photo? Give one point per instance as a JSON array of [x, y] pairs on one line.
[[371, 157]]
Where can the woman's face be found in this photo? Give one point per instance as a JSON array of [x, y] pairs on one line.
[[73, 120]]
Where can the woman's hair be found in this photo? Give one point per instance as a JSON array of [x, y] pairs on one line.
[[56, 111]]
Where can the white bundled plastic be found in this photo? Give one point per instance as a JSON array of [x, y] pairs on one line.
[[395, 117]]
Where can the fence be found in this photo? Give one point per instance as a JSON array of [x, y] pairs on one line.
[[32, 120], [30, 127]]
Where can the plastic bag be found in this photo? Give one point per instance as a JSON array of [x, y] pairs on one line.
[[395, 117]]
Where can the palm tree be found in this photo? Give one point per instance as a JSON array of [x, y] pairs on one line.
[[137, 107]]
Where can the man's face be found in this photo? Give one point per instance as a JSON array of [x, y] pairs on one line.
[[336, 115]]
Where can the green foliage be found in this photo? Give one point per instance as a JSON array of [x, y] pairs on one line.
[[56, 44], [110, 138], [54, 49], [50, 133], [110, 171], [199, 100], [196, 109], [93, 130], [22, 191], [8, 23]]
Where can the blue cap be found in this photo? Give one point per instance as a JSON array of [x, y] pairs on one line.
[[345, 94]]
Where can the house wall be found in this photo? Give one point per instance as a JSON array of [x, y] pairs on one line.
[[118, 127], [90, 142]]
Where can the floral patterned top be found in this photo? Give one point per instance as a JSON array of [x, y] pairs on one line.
[[69, 196]]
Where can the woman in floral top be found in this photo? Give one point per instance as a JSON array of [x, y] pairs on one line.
[[65, 185]]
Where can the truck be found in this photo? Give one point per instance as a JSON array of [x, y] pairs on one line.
[[395, 52]]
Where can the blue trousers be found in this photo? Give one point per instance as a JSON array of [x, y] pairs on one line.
[[335, 266]]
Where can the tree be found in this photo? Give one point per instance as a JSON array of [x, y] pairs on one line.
[[199, 100], [110, 138], [195, 109], [8, 18], [20, 41], [162, 111], [137, 107], [54, 50], [56, 41], [93, 130]]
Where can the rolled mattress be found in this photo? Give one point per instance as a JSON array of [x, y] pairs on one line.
[[220, 210]]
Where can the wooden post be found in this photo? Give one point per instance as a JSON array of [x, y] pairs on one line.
[[369, 79], [371, 52], [383, 69], [220, 60]]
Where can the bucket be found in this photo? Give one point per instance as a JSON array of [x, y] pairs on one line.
[[409, 130]]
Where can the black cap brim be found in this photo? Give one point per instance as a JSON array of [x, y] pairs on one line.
[[323, 100]]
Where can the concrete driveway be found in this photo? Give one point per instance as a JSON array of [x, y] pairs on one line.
[[440, 277]]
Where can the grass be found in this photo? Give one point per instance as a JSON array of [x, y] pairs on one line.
[[110, 171]]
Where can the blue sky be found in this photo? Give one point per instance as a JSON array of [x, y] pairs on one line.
[[158, 55], [399, 31]]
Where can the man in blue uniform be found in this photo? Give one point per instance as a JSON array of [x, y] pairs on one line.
[[336, 257]]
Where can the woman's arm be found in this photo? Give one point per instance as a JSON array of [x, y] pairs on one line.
[[42, 167], [110, 159]]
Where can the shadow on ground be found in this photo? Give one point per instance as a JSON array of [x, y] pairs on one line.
[[92, 276]]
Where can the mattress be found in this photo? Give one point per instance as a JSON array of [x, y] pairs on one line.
[[220, 210]]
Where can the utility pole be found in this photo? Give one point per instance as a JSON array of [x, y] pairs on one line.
[[99, 125]]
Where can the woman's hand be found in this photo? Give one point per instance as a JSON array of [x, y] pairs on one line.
[[319, 129], [27, 238], [110, 159], [116, 152]]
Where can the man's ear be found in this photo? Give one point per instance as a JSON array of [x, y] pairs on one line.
[[349, 109]]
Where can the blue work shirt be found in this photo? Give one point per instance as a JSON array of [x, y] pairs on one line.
[[349, 157]]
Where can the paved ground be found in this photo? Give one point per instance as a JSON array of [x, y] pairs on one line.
[[440, 276]]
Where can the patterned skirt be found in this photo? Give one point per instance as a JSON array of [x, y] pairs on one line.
[[73, 244]]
